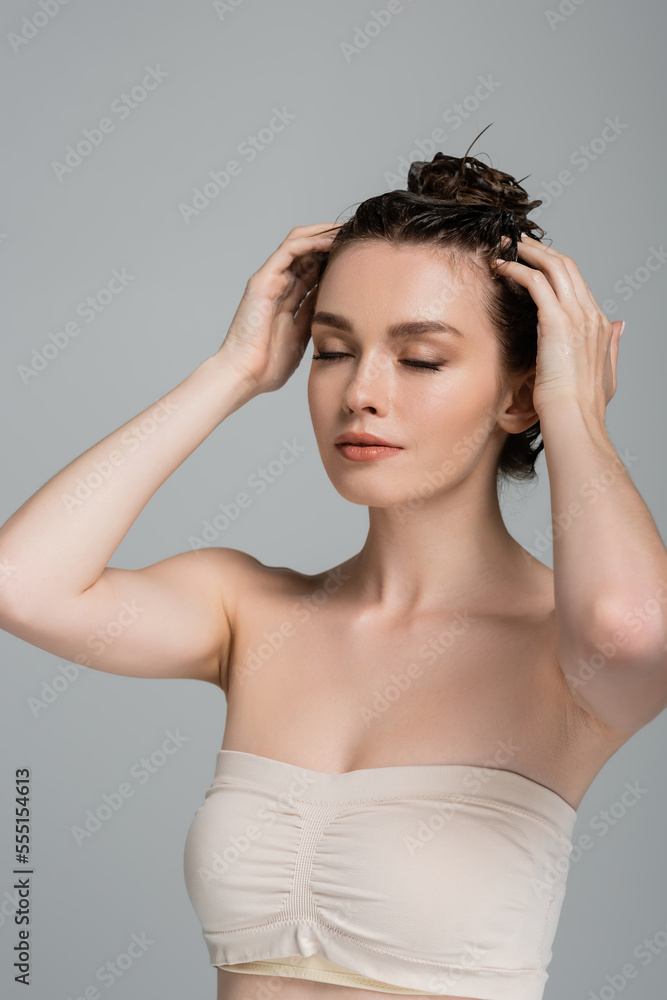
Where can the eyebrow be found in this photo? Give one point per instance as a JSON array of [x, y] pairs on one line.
[[406, 329]]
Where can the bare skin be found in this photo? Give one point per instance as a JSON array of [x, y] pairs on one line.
[[422, 570], [499, 683]]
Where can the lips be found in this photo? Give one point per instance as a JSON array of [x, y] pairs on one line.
[[361, 438]]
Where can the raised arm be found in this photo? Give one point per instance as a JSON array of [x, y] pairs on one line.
[[165, 620], [174, 617]]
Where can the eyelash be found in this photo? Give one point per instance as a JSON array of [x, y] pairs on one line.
[[329, 355]]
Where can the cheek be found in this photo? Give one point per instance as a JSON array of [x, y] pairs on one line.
[[318, 400], [312, 394], [461, 407]]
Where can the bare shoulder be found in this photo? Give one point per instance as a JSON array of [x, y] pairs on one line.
[[244, 582], [242, 572]]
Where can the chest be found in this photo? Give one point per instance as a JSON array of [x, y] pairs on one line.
[[458, 687]]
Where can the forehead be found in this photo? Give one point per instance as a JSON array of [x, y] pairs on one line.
[[384, 282]]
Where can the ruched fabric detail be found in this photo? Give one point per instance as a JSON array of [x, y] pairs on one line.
[[443, 879]]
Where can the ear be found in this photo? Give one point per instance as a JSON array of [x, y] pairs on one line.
[[519, 413]]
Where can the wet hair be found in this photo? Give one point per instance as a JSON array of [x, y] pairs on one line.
[[465, 207]]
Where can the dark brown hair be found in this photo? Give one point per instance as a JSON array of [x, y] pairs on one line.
[[466, 207]]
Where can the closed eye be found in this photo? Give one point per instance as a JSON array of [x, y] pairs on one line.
[[410, 362]]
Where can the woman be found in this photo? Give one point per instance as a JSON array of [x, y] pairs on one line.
[[409, 733]]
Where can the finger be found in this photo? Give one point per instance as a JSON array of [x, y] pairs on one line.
[[581, 288], [297, 244], [294, 331], [537, 283], [299, 234], [304, 316], [301, 276], [313, 228], [307, 267], [271, 277], [553, 266]]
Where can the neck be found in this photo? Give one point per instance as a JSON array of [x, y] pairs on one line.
[[435, 553]]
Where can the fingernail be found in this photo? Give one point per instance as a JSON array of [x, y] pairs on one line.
[[622, 329]]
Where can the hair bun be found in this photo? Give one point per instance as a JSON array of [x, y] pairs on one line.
[[467, 181]]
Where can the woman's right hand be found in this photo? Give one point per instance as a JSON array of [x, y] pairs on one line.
[[266, 340]]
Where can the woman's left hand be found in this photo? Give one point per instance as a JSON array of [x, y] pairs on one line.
[[577, 346]]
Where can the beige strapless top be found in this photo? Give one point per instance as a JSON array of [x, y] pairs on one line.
[[444, 879]]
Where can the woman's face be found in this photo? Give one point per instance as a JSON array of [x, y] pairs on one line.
[[443, 419]]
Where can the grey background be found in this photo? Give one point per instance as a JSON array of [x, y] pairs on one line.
[[355, 119]]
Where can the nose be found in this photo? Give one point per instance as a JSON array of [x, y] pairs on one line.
[[368, 387]]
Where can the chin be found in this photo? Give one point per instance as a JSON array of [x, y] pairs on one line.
[[372, 494]]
